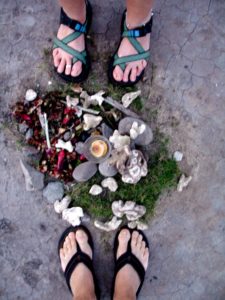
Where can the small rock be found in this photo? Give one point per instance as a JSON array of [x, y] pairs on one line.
[[31, 155], [29, 134], [106, 169], [178, 156], [128, 98], [183, 182], [59, 206], [23, 128], [73, 215], [110, 183], [106, 130], [84, 171], [79, 148], [34, 180], [143, 139], [141, 226], [95, 190], [31, 95], [53, 191], [67, 136]]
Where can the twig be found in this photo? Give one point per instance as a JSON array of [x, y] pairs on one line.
[[120, 107], [46, 131]]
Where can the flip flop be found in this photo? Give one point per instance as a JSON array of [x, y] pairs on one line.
[[131, 35], [128, 258], [79, 257], [82, 56]]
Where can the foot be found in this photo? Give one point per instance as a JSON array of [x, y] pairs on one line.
[[127, 280], [81, 281], [62, 59], [133, 69]]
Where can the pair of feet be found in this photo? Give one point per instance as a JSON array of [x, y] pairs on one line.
[[127, 280], [63, 60]]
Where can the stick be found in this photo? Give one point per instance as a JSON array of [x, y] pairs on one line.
[[120, 107], [46, 131]]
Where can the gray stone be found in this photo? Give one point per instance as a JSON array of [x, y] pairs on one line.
[[53, 191], [106, 130], [34, 180], [23, 128], [67, 136], [143, 139], [31, 155], [79, 148], [29, 134], [106, 169], [84, 171]]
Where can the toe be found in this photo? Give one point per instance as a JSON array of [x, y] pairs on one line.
[[82, 240], [61, 66], [68, 66], [134, 239], [117, 73], [77, 68], [55, 52], [72, 239], [139, 240], [67, 244], [61, 254], [143, 244], [123, 237], [139, 69], [57, 60], [126, 73], [144, 63], [133, 74]]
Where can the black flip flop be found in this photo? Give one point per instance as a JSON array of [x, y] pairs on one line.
[[79, 257], [82, 56], [128, 258], [131, 35]]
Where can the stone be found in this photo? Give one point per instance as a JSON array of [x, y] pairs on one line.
[[23, 128], [128, 98], [106, 169], [84, 171], [79, 148], [67, 136], [31, 155], [111, 225], [53, 191], [118, 140], [110, 183], [60, 205], [143, 139], [31, 95], [95, 190], [34, 180], [29, 134], [106, 130], [116, 208], [73, 215], [178, 156], [183, 182]]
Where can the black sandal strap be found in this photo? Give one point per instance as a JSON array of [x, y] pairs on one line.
[[79, 257], [73, 24], [139, 31]]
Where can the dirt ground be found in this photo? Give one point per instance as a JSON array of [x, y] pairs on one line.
[[184, 92]]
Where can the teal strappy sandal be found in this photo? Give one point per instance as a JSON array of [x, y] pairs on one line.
[[132, 36], [82, 56]]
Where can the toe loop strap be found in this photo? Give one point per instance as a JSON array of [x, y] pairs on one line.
[[73, 24], [129, 258], [79, 257]]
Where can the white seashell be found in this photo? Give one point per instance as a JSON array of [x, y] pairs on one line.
[[59, 206], [118, 140], [31, 95], [110, 183], [183, 182], [64, 145], [116, 208], [91, 121], [178, 156], [111, 225], [136, 130], [73, 215], [95, 190], [128, 98]]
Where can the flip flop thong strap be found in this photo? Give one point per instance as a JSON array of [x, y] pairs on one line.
[[76, 54], [79, 257]]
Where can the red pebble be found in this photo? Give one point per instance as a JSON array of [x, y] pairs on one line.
[[60, 161]]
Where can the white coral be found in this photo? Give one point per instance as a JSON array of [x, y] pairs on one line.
[[118, 140], [95, 190], [61, 205], [108, 226], [136, 130], [73, 215], [91, 121], [110, 183]]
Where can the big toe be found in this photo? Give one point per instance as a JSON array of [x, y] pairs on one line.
[[82, 240], [123, 238], [117, 73]]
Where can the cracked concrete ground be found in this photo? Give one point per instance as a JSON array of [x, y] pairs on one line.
[[186, 85]]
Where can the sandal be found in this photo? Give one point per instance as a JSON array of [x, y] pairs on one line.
[[79, 257], [131, 35], [128, 258], [82, 56]]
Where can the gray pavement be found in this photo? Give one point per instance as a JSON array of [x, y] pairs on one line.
[[186, 86]]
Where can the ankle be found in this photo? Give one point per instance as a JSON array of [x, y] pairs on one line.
[[133, 22], [78, 14]]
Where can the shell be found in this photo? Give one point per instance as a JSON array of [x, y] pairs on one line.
[[91, 121], [110, 183], [183, 182], [128, 98], [95, 190], [60, 206], [111, 225]]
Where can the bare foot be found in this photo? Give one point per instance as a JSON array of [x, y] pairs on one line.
[[81, 280], [127, 280], [133, 68], [62, 58]]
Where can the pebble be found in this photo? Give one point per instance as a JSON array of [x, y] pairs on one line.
[[106, 130], [23, 128], [178, 156], [84, 171], [53, 191], [67, 136], [106, 169], [31, 155], [31, 95], [34, 180]]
